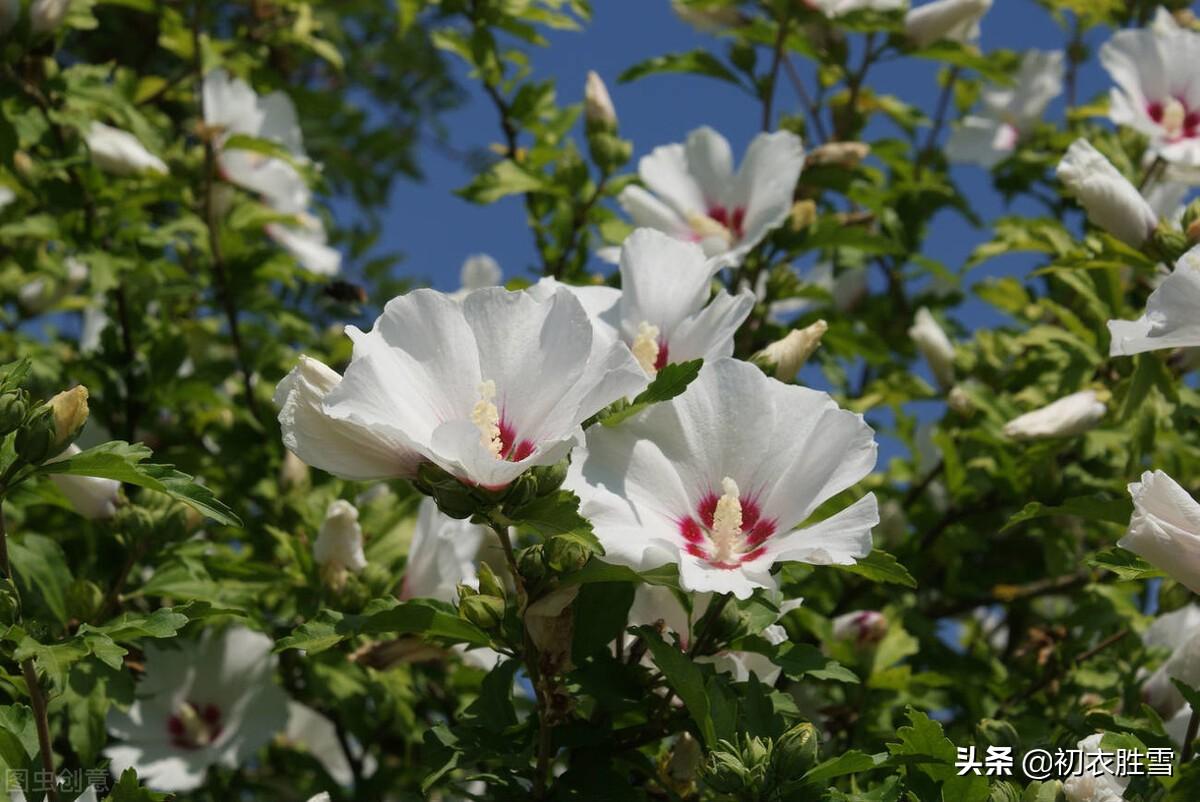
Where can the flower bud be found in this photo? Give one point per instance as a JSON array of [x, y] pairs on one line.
[[1168, 243], [794, 753], [489, 583], [957, 20], [959, 402], [804, 214], [339, 544], [841, 154], [935, 346], [12, 412], [70, 411], [566, 554], [785, 357], [707, 16], [532, 563], [1111, 202], [597, 104], [485, 612], [1164, 528], [35, 440], [1066, 417], [84, 599], [45, 16], [22, 162], [549, 478], [863, 629], [522, 490]]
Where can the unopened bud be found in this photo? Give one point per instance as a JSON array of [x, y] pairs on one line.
[[566, 554], [1168, 243], [795, 752], [46, 15], [804, 214], [785, 357], [12, 412], [489, 583], [842, 154], [550, 477], [959, 402], [598, 107], [84, 599], [485, 612], [863, 628], [23, 164], [681, 765], [532, 563], [35, 440], [70, 411]]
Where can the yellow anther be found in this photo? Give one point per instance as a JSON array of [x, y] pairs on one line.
[[645, 347], [727, 522], [486, 418]]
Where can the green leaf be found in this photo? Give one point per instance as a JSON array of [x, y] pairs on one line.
[[805, 660], [501, 179], [41, 572], [879, 566], [1125, 564], [18, 742], [694, 62], [850, 762], [1092, 508], [685, 678], [601, 612], [128, 790], [121, 461], [384, 617], [554, 514], [925, 744], [668, 383]]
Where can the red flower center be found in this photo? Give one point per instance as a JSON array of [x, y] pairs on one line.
[[732, 220], [511, 448], [697, 532], [194, 725], [1175, 116]]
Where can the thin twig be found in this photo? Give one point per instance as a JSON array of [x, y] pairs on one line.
[[38, 702], [773, 75], [1051, 676], [939, 118], [814, 110], [220, 274]]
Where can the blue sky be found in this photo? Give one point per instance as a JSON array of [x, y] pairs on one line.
[[436, 230]]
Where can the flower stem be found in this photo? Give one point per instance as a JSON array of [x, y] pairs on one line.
[[529, 654], [38, 702], [36, 699], [707, 629], [777, 57]]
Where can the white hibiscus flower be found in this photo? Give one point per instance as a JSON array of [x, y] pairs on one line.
[[485, 388], [1172, 316], [120, 152], [1165, 528], [1157, 89], [693, 193], [720, 479], [232, 108], [665, 310], [1008, 113], [209, 702]]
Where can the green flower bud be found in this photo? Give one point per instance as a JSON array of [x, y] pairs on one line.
[[35, 440], [521, 491], [84, 599], [465, 591], [549, 478], [485, 612], [532, 563], [565, 554], [795, 753], [1168, 243], [489, 583], [12, 412], [10, 603]]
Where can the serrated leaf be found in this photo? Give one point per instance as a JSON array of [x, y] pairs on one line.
[[124, 462], [879, 566], [1125, 564], [417, 617], [668, 383]]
